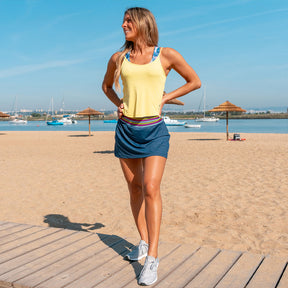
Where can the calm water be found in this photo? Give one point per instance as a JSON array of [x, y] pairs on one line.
[[235, 126]]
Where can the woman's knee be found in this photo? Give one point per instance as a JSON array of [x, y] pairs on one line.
[[135, 188], [151, 189]]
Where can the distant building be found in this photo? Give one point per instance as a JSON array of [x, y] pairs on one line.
[[25, 111]]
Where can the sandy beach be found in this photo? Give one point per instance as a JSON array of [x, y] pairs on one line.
[[229, 195]]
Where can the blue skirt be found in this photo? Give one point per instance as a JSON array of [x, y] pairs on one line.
[[140, 141]]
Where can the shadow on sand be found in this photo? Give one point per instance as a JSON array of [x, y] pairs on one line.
[[120, 245], [211, 139], [104, 152], [60, 221], [83, 135]]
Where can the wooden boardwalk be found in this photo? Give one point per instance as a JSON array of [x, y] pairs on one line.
[[40, 257]]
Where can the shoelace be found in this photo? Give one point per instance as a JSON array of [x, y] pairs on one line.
[[153, 264]]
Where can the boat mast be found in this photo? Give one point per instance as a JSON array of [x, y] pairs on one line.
[[204, 99], [52, 107]]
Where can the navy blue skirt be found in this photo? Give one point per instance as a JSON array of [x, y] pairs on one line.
[[137, 141]]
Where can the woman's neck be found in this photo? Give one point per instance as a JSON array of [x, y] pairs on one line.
[[140, 47]]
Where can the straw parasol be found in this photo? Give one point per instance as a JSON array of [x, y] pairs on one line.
[[88, 112], [4, 114], [227, 107]]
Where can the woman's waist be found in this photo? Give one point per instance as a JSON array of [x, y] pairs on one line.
[[142, 121]]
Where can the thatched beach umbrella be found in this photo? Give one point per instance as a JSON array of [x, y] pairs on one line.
[[88, 112], [4, 114], [227, 107]]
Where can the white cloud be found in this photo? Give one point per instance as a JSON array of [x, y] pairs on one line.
[[19, 70], [224, 21]]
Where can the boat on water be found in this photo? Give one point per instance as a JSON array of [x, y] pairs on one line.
[[204, 118], [172, 122], [18, 121], [207, 119], [54, 122], [67, 120], [192, 125]]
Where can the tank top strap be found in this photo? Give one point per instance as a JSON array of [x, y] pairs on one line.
[[127, 56], [156, 52]]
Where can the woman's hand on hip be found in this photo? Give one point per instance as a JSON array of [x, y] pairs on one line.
[[120, 111]]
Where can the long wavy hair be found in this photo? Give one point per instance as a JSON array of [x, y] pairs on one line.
[[147, 32]]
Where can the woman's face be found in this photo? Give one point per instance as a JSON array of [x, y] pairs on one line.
[[129, 28]]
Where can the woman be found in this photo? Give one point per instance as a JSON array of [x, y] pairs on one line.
[[141, 137]]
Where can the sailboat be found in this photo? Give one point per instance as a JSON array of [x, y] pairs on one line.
[[15, 118], [66, 119], [204, 118], [54, 121]]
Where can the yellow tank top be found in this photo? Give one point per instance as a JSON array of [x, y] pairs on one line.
[[143, 87]]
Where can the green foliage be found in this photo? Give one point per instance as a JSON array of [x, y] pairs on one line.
[[35, 115]]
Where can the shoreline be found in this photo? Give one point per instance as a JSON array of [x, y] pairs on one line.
[[173, 115], [217, 193]]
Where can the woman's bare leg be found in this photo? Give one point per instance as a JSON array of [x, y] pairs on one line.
[[133, 172], [153, 172]]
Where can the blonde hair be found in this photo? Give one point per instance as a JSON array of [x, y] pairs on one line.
[[147, 32]]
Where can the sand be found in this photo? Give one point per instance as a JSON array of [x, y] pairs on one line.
[[229, 195]]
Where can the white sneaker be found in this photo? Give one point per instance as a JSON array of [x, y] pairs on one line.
[[148, 275], [138, 252]]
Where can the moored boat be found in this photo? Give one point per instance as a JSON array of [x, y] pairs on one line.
[[192, 126], [18, 121], [55, 122], [172, 122]]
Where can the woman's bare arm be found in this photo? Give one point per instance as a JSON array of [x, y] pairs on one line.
[[107, 85], [171, 59]]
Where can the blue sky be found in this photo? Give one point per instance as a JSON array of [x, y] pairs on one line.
[[60, 49]]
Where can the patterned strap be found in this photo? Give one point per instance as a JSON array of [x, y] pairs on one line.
[[156, 52]]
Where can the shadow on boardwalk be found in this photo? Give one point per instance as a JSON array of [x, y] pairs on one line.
[[120, 245]]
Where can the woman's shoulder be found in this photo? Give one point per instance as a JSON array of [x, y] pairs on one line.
[[114, 57], [169, 52]]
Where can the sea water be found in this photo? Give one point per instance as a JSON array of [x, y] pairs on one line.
[[279, 126]]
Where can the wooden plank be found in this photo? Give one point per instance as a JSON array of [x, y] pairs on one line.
[[66, 261], [37, 232], [171, 261], [284, 279], [188, 269], [11, 230], [130, 272], [116, 250], [269, 272], [108, 268], [98, 276], [215, 270], [242, 271], [42, 262], [72, 236], [43, 257], [8, 225], [9, 238], [27, 244]]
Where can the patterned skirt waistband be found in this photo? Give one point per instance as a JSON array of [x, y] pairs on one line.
[[147, 121]]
